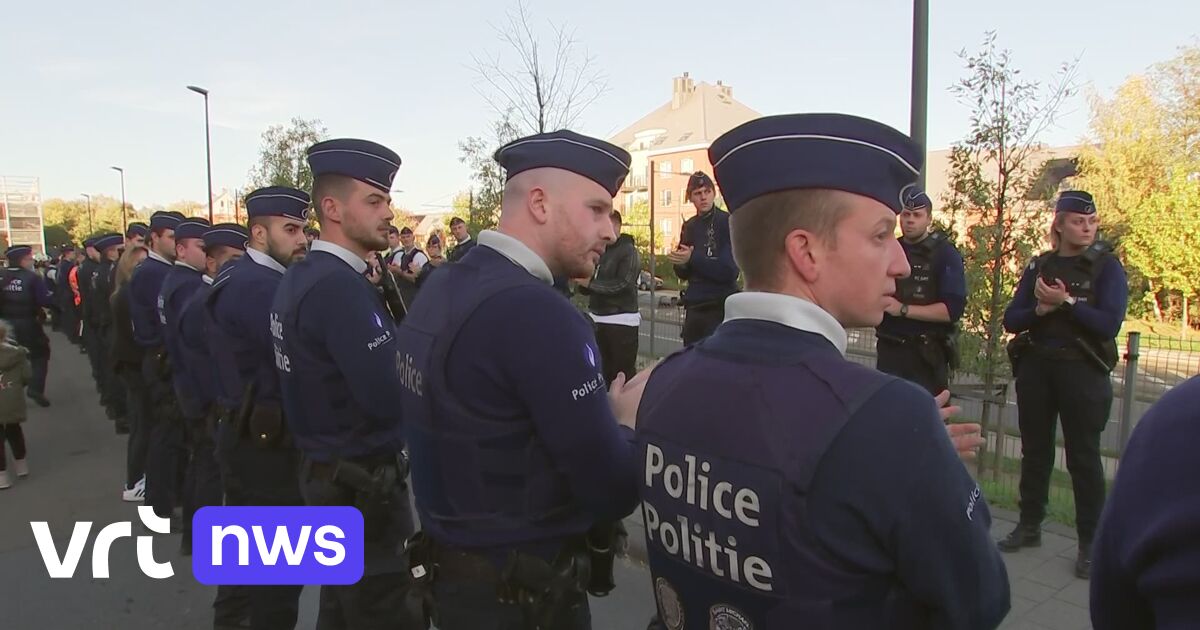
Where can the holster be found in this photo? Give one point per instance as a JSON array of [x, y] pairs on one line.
[[1018, 348], [265, 424], [603, 542], [546, 592], [422, 565]]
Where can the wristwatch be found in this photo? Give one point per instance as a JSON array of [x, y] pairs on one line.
[[903, 310], [1070, 301]]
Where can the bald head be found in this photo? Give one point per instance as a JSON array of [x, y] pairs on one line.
[[563, 217]]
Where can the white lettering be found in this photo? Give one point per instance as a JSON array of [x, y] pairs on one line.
[[723, 489], [688, 541], [218, 539], [411, 377], [975, 494], [281, 542], [104, 541], [324, 533], [650, 516], [282, 360], [65, 567], [756, 568], [745, 501], [276, 327], [674, 488], [587, 388], [654, 463]]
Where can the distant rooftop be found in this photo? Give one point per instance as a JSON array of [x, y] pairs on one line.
[[696, 114]]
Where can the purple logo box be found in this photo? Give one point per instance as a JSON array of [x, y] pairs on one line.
[[277, 545]]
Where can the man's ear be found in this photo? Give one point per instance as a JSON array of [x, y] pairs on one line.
[[805, 254], [538, 204]]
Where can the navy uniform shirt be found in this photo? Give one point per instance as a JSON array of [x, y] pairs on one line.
[[239, 315], [542, 373], [193, 366], [336, 356], [711, 272], [144, 287], [888, 497], [1146, 556], [1102, 318], [947, 266]]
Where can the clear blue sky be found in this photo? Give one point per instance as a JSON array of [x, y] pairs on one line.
[[88, 84]]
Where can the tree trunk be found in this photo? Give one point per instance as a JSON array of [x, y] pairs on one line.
[[1184, 321], [1158, 313]]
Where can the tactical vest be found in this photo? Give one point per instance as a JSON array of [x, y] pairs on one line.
[[1079, 273], [921, 286], [491, 477], [724, 489], [407, 258], [19, 301]]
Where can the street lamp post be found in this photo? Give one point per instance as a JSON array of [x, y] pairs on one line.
[[124, 219], [91, 229], [919, 111], [207, 147]]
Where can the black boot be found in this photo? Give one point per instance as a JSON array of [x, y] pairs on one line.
[[1025, 535], [1083, 562]]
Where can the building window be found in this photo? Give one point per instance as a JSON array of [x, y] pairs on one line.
[[686, 166], [666, 200], [668, 229], [665, 169]]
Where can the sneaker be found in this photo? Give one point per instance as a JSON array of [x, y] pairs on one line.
[[135, 494], [1023, 536], [21, 467], [1083, 562], [4, 482]]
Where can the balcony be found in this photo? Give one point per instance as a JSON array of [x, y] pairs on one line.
[[634, 182]]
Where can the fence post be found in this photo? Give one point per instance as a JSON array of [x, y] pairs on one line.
[[1125, 421]]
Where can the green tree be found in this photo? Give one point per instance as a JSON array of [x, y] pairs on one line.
[[482, 207], [281, 156], [56, 236], [992, 172], [72, 217]]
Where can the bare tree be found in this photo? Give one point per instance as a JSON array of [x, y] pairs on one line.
[[546, 87]]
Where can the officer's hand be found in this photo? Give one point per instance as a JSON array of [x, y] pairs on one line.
[[373, 274], [1050, 295], [395, 268], [892, 306], [414, 268], [681, 255], [583, 282], [967, 438], [625, 397]]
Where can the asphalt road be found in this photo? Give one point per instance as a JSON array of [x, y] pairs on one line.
[[77, 469]]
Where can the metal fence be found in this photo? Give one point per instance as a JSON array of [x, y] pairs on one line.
[[1149, 365]]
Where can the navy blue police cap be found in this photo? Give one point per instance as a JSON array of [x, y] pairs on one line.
[[278, 201], [363, 160], [112, 239], [827, 151], [1076, 201], [227, 234], [89, 242], [194, 227], [15, 253], [163, 220], [916, 198], [66, 248], [602, 162], [137, 228]]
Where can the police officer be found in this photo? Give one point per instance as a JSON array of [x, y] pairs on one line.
[[407, 264], [183, 280], [85, 277], [462, 240], [135, 234], [257, 458], [195, 387], [1146, 554], [153, 393], [1068, 307], [835, 500], [109, 248], [335, 351], [539, 459], [64, 298], [24, 295], [916, 338], [704, 258]]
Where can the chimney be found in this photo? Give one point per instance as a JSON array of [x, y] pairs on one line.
[[681, 88], [724, 90]]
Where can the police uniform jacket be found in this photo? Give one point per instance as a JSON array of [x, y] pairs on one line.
[[24, 294], [181, 282], [144, 287], [337, 358], [194, 372], [512, 440], [784, 486], [711, 272], [1100, 288], [239, 330], [460, 250]]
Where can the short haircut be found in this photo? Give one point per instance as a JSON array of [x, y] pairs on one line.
[[406, 230], [760, 226], [616, 216], [455, 221], [393, 230], [260, 220], [329, 185], [158, 231]]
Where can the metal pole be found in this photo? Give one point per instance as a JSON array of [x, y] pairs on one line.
[[920, 78], [124, 220], [653, 258], [91, 229], [1125, 421], [208, 155]]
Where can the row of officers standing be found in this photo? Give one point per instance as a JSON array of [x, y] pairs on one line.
[[781, 484]]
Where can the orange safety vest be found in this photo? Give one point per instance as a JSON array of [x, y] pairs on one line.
[[73, 280]]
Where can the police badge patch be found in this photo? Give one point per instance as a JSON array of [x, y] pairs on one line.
[[670, 609], [726, 617]]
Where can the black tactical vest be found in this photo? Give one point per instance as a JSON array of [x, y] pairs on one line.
[[921, 286], [1079, 273], [19, 302]]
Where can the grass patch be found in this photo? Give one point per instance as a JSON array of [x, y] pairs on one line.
[[1161, 335]]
